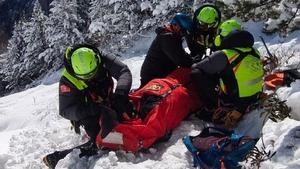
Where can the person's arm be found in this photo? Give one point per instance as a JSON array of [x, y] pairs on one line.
[[73, 105], [171, 45], [205, 76], [212, 64], [196, 50], [120, 72]]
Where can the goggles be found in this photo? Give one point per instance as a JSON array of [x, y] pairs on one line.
[[205, 26], [87, 76]]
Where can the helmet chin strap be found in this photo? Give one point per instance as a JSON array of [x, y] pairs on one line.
[[68, 52], [218, 40]]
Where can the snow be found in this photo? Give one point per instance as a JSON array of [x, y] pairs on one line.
[[228, 2], [162, 7], [146, 5], [30, 126]]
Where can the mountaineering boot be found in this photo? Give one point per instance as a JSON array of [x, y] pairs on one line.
[[87, 149], [51, 160]]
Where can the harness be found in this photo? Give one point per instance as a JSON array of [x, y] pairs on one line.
[[242, 55]]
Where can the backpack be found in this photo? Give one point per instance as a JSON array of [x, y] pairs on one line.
[[218, 148]]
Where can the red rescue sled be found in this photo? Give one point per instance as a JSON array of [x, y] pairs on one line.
[[176, 99]]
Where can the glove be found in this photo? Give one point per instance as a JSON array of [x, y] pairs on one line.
[[196, 59], [232, 118], [122, 106], [119, 103], [205, 114], [290, 76]]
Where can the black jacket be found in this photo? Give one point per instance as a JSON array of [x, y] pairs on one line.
[[165, 54], [197, 45], [75, 104]]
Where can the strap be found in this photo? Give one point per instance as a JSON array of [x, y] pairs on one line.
[[215, 131], [235, 138], [188, 143], [173, 87], [232, 139], [196, 159], [80, 85], [242, 55]]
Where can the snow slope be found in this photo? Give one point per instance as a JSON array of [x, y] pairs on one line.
[[30, 128]]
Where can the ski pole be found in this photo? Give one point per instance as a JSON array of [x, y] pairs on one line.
[[271, 60], [275, 58], [263, 41]]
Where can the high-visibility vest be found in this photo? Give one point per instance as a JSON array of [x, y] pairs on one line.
[[248, 72]]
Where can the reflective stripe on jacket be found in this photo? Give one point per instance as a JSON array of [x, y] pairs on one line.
[[79, 84]]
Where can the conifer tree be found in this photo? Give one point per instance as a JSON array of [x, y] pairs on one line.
[[62, 30], [34, 62], [15, 53]]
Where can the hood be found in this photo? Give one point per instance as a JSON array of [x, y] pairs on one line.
[[241, 39]]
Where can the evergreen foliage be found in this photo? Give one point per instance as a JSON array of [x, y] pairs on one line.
[[16, 49], [37, 46], [278, 15], [62, 30], [115, 23]]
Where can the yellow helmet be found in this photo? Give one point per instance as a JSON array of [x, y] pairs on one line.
[[225, 29], [84, 61]]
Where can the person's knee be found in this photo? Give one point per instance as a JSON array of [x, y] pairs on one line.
[[197, 74]]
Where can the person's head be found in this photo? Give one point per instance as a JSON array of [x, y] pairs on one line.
[[183, 21], [207, 18], [225, 29], [83, 61]]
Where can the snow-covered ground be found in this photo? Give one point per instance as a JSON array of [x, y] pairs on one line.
[[30, 127]]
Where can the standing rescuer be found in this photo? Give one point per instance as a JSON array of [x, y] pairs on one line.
[[86, 90], [235, 69]]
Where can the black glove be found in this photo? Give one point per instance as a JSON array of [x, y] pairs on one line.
[[197, 58], [119, 103], [205, 113], [290, 76], [122, 106]]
